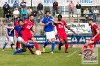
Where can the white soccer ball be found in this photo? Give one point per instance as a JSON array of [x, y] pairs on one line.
[[38, 52]]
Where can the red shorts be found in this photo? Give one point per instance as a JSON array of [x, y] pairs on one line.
[[96, 39], [62, 37], [26, 36]]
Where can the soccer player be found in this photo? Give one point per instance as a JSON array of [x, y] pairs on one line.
[[16, 33], [47, 22], [27, 35], [60, 26], [9, 35], [95, 36], [20, 40]]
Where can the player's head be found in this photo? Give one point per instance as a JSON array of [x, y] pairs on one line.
[[11, 23], [90, 21], [47, 13], [20, 21], [31, 17], [59, 17]]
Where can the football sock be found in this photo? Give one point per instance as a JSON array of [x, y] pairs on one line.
[[36, 45], [66, 47], [18, 45], [91, 47], [53, 46], [30, 49], [46, 43], [4, 46]]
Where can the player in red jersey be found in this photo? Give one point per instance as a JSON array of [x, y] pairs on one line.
[[60, 26], [95, 36], [26, 31], [16, 34]]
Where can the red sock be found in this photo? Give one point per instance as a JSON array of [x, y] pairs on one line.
[[18, 45], [30, 49], [84, 47], [36, 45], [91, 47], [66, 47]]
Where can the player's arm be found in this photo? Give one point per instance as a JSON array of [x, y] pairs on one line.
[[42, 24], [70, 29]]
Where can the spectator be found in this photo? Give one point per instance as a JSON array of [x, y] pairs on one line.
[[23, 13], [23, 4], [96, 12], [86, 13], [8, 15], [71, 8], [6, 7], [15, 14], [55, 8], [15, 5], [29, 11], [34, 12], [40, 10], [78, 6], [91, 14]]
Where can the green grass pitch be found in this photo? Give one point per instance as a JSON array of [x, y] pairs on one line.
[[59, 58]]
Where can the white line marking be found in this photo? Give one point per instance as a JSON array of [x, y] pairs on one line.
[[72, 53]]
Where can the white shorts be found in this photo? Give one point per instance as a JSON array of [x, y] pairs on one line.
[[50, 34], [20, 39], [10, 39]]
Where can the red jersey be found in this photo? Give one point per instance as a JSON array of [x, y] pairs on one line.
[[61, 27], [27, 26], [94, 27], [16, 24]]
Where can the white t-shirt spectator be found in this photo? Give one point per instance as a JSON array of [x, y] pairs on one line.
[[16, 13], [96, 11], [86, 12]]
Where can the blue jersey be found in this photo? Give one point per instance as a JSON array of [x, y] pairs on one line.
[[49, 27], [10, 32], [18, 29]]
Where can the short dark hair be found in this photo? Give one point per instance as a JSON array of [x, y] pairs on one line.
[[47, 12], [60, 16], [20, 20], [90, 20]]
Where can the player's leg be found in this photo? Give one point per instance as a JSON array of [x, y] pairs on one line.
[[66, 46], [51, 38], [5, 44], [20, 50], [12, 41], [35, 43]]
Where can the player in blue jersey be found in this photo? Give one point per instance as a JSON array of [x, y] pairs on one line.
[[47, 22], [9, 36]]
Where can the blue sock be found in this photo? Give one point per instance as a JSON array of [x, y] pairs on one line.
[[29, 45], [46, 43], [4, 46], [18, 51], [53, 46]]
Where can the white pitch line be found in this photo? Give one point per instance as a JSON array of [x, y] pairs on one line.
[[72, 53]]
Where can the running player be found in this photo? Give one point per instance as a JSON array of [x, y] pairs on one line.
[[60, 26], [47, 22], [9, 35], [95, 36]]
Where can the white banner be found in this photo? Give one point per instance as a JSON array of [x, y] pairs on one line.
[[50, 2], [79, 28]]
